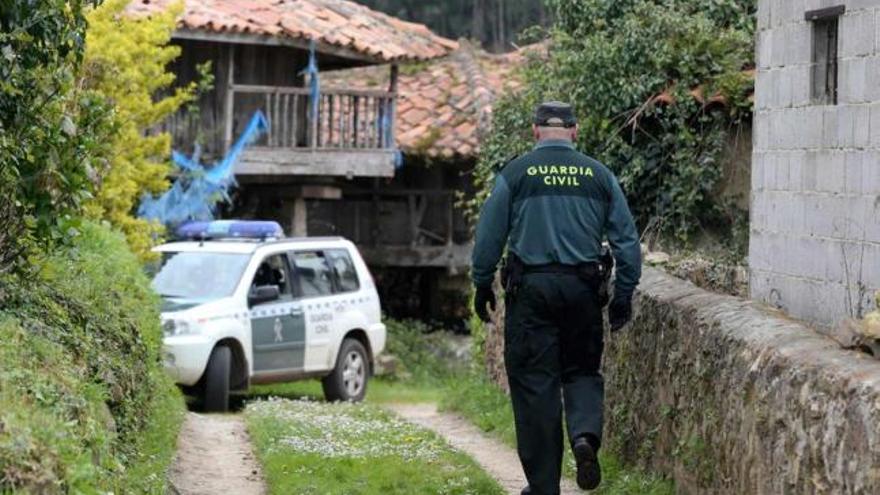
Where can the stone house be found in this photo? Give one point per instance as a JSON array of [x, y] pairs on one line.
[[815, 214]]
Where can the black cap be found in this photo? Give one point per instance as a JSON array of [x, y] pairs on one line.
[[555, 114]]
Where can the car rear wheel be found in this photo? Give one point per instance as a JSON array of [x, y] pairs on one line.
[[348, 380], [216, 394]]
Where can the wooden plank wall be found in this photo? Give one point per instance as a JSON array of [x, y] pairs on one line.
[[385, 218], [254, 64]]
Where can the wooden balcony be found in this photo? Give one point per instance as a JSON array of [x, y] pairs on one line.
[[350, 135]]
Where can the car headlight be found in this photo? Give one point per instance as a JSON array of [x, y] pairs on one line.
[[173, 328]]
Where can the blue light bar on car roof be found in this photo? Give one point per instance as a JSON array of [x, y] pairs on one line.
[[230, 229]]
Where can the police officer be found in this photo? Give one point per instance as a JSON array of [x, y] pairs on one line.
[[552, 207]]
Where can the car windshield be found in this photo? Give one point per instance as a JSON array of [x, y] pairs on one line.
[[199, 275]]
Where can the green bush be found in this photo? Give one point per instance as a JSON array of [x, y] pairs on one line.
[[85, 399], [425, 354], [54, 425], [52, 131], [611, 58]]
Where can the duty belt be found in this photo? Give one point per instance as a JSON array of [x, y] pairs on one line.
[[588, 270], [598, 272]]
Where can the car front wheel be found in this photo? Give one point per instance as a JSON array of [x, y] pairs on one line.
[[348, 380], [217, 380]]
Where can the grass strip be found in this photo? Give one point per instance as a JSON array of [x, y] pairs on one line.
[[379, 391], [156, 447], [432, 377], [308, 447]]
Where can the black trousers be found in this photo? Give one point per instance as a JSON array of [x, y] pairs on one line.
[[553, 351]]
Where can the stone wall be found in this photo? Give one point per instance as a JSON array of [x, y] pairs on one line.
[[727, 397], [493, 343], [815, 214]]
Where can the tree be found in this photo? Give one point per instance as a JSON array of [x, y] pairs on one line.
[[495, 23], [126, 60], [50, 129]]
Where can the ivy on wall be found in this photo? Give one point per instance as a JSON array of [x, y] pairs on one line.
[[612, 59]]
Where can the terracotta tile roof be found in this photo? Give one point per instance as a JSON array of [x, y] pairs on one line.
[[667, 98], [338, 23], [445, 106]]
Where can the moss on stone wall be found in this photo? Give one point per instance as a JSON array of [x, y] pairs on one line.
[[735, 399], [728, 397]]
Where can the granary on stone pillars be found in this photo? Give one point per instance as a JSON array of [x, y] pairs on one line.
[[413, 229], [268, 56]]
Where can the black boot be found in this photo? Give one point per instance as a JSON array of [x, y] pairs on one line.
[[589, 474]]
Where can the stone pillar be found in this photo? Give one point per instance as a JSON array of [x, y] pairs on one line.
[[293, 211], [300, 218]]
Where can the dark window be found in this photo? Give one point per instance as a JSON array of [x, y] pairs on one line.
[[825, 40], [313, 273], [343, 268], [273, 271]]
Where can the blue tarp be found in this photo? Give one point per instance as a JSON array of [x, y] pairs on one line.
[[314, 82], [197, 190]]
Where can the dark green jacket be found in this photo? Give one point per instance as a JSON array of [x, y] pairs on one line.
[[555, 205]]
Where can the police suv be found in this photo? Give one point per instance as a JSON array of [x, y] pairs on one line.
[[243, 305]]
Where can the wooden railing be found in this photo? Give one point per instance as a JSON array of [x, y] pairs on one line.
[[345, 119]]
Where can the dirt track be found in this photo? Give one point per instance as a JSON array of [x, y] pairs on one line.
[[497, 459], [214, 456]]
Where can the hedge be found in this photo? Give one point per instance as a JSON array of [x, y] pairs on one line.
[[86, 404]]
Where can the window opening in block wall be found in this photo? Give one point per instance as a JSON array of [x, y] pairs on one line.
[[825, 25]]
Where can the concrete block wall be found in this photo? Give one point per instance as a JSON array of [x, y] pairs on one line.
[[815, 225]]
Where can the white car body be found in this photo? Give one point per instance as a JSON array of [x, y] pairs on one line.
[[295, 336]]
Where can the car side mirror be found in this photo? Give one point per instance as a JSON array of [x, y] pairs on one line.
[[263, 294]]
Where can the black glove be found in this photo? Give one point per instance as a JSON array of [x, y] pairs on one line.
[[619, 312], [485, 296]]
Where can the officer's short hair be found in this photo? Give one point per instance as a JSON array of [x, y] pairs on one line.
[[554, 114]]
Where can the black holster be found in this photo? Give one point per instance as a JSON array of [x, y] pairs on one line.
[[512, 272], [606, 266]]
